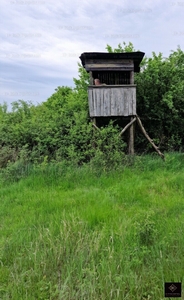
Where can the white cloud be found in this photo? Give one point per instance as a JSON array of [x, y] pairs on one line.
[[41, 41]]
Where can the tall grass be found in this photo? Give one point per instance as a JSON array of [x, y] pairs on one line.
[[74, 233]]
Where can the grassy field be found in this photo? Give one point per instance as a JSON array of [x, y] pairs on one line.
[[80, 234]]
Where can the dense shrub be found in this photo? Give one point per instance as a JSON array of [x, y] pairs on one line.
[[60, 128]]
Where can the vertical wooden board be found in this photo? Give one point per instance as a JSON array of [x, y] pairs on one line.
[[126, 106], [121, 102], [133, 100], [134, 109], [90, 101], [116, 101], [115, 104], [101, 101], [113, 99], [98, 103], [106, 96], [94, 102], [107, 102], [130, 102], [112, 102]]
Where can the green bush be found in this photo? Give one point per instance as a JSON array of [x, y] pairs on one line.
[[60, 128], [108, 149]]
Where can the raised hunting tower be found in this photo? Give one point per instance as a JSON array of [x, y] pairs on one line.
[[115, 94]]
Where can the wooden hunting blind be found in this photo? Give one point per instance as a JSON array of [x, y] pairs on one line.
[[115, 94]]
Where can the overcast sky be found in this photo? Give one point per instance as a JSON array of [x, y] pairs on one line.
[[41, 41]]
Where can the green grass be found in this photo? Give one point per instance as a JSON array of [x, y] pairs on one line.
[[77, 234]]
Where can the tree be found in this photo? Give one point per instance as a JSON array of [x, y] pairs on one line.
[[120, 49], [160, 98]]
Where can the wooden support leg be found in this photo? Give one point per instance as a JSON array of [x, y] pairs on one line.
[[94, 120], [127, 126], [148, 138], [95, 124], [131, 138]]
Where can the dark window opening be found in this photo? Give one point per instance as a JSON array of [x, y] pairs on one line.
[[112, 78]]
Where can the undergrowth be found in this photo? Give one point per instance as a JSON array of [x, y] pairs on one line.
[[71, 232]]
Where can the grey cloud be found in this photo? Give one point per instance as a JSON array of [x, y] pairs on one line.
[[41, 42]]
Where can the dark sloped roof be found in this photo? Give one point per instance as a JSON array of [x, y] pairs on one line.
[[135, 56]]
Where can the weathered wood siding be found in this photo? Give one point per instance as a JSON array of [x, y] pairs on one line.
[[109, 64], [105, 101]]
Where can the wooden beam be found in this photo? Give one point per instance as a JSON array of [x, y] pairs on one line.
[[131, 139], [127, 126], [94, 120], [96, 127], [148, 138]]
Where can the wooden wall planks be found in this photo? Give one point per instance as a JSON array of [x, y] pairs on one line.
[[106, 101]]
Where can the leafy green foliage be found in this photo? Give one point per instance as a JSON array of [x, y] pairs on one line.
[[109, 149], [60, 128], [160, 99], [120, 49]]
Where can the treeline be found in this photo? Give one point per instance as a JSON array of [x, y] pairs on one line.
[[60, 128], [56, 130]]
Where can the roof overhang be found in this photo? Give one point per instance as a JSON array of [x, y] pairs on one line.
[[102, 61]]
